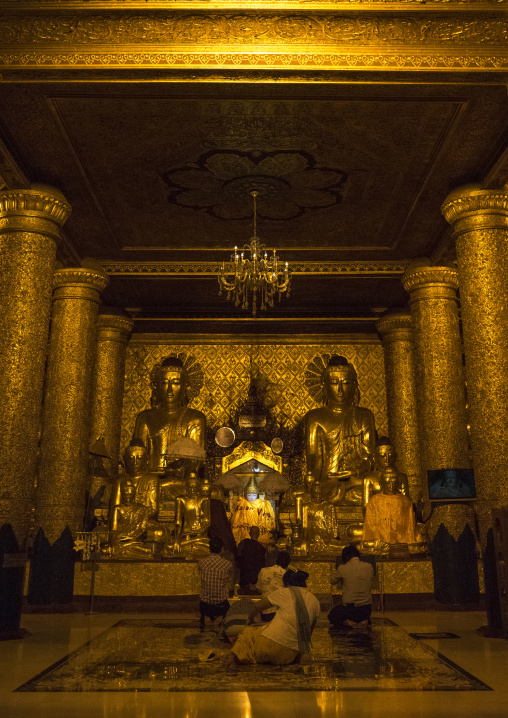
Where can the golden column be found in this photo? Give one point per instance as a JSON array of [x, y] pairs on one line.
[[397, 334], [480, 223], [61, 489], [440, 381], [113, 329], [29, 227]]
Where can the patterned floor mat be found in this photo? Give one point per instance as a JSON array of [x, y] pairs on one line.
[[169, 655]]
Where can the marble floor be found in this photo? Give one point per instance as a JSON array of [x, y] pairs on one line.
[[53, 637]]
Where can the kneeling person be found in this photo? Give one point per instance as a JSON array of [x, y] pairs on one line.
[[216, 574], [288, 635], [356, 578]]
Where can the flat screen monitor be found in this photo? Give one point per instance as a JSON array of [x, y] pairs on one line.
[[451, 485]]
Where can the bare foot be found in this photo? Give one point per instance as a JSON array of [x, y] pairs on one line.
[[352, 624]]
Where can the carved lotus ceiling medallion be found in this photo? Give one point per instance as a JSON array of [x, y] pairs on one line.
[[288, 183]]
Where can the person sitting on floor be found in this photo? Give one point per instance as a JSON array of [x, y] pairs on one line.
[[216, 574], [288, 635], [236, 618], [356, 578], [251, 559], [270, 578]]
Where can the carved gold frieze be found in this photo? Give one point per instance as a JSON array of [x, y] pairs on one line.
[[227, 28], [256, 37], [265, 4], [262, 61], [213, 268]]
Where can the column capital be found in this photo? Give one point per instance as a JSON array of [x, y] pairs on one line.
[[470, 207], [41, 209], [114, 324], [396, 323], [73, 282], [431, 282]]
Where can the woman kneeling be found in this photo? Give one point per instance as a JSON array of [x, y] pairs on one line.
[[288, 635]]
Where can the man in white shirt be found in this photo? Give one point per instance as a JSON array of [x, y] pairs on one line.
[[356, 578], [270, 579]]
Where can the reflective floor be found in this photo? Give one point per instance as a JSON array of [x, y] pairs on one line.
[[54, 637]]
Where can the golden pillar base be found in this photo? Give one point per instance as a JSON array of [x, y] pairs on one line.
[[61, 489], [29, 227]]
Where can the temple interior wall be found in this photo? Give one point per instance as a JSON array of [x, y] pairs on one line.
[[225, 363]]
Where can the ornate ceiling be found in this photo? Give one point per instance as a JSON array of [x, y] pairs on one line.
[[351, 167]]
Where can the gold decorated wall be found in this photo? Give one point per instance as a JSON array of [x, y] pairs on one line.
[[225, 362]]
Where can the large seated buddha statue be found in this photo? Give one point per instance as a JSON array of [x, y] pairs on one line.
[[170, 417], [340, 436], [390, 519]]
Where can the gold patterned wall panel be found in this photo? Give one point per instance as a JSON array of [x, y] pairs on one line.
[[143, 578], [226, 377]]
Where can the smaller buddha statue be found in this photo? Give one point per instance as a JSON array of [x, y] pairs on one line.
[[249, 511], [205, 488], [192, 520], [146, 484], [129, 524], [384, 458], [390, 519], [316, 517]]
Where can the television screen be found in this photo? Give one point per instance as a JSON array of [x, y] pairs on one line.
[[451, 484]]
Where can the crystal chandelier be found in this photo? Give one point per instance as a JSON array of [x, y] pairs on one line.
[[257, 277]]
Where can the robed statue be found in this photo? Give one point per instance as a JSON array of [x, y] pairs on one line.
[[390, 519], [384, 458], [340, 436], [170, 417]]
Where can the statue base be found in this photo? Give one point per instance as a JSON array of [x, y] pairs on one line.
[[146, 583]]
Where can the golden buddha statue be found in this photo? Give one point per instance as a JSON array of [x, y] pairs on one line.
[[169, 417], [340, 436], [249, 511], [316, 517], [192, 520], [390, 519], [135, 460], [129, 522], [384, 458]]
